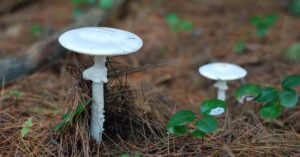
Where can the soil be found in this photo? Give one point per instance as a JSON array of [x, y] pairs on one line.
[[173, 80]]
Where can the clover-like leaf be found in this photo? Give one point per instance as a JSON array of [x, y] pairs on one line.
[[207, 124], [177, 130], [267, 94], [247, 92], [288, 98], [291, 81], [213, 107], [270, 111], [182, 117]]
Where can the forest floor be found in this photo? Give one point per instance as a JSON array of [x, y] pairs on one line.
[[171, 83]]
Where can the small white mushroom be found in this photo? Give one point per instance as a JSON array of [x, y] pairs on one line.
[[99, 42], [222, 72]]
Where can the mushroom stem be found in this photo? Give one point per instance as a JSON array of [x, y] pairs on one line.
[[98, 74], [222, 87]]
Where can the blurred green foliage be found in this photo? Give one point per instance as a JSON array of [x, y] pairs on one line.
[[293, 52], [263, 24], [177, 24]]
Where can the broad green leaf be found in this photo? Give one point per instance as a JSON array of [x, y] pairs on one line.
[[186, 25], [198, 134], [15, 93], [75, 2], [182, 117], [239, 47], [248, 92], [105, 4], [172, 19], [270, 111], [291, 81], [293, 52], [207, 124], [124, 155], [261, 31], [177, 130], [24, 132], [288, 98], [213, 107], [268, 94], [270, 20], [255, 21]]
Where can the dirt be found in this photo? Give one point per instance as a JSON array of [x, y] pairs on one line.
[[176, 57]]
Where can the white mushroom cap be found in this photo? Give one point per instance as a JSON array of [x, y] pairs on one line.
[[100, 41], [222, 71]]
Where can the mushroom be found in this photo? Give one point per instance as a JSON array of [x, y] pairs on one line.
[[222, 72], [99, 42]]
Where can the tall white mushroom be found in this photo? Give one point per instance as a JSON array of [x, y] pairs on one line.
[[222, 72], [99, 42]]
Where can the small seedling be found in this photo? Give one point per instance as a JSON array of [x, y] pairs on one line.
[[178, 122], [178, 24], [37, 31], [272, 100], [263, 24], [26, 127], [239, 47], [293, 53]]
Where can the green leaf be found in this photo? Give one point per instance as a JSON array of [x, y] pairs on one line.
[[124, 155], [268, 94], [15, 93], [60, 126], [198, 134], [105, 4], [291, 81], [207, 124], [270, 111], [261, 31], [293, 52], [26, 127], [80, 107], [255, 21], [28, 123], [294, 7], [76, 2], [177, 130], [186, 25], [24, 132], [77, 12], [239, 47], [288, 98], [37, 30], [90, 1], [172, 19], [248, 92], [67, 116], [182, 117], [213, 107]]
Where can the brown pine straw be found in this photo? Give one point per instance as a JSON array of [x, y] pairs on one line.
[[134, 124]]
